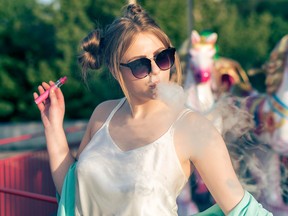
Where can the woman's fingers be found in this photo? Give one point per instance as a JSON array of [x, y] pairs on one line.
[[46, 85], [55, 95], [52, 96], [41, 89], [51, 83], [58, 93], [40, 106]]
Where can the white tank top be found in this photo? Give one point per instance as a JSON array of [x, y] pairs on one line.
[[143, 181]]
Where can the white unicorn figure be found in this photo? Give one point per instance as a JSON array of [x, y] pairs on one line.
[[198, 82], [207, 78], [220, 74]]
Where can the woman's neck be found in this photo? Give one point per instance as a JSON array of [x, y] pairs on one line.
[[144, 109]]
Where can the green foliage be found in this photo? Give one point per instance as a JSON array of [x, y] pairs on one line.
[[6, 108], [171, 15], [253, 35], [40, 42]]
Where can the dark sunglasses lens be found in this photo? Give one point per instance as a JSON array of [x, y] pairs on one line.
[[165, 59], [140, 68]]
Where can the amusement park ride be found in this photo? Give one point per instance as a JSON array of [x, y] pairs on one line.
[[208, 80]]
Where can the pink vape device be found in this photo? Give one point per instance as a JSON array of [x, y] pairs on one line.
[[45, 95]]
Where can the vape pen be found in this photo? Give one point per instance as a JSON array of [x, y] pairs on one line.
[[45, 95]]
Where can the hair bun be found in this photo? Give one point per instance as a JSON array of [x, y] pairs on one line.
[[133, 10], [91, 43], [91, 57]]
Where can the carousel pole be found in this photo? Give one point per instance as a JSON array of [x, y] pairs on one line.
[[190, 17], [189, 21], [189, 31]]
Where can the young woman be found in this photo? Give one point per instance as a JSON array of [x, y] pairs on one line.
[[137, 152]]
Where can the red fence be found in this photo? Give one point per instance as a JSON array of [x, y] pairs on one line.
[[26, 185], [27, 172]]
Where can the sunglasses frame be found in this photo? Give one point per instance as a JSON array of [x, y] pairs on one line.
[[147, 62]]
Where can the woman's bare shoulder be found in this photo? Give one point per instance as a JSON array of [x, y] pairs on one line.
[[103, 110], [197, 121], [196, 133], [98, 118], [105, 107]]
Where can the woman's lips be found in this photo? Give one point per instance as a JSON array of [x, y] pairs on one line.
[[153, 89]]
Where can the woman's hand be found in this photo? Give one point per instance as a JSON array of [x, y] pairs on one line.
[[52, 113], [53, 108]]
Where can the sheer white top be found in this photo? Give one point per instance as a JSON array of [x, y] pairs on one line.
[[143, 181]]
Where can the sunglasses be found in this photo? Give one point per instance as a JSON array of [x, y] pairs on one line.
[[141, 68]]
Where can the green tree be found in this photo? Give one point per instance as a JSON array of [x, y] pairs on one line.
[[23, 39], [40, 42]]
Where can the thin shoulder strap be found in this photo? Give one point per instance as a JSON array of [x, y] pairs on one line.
[[181, 115], [121, 102]]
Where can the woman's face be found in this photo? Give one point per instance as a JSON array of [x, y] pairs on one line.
[[145, 45]]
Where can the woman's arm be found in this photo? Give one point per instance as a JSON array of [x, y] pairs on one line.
[[210, 157], [52, 115]]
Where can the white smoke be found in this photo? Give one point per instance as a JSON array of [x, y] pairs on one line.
[[227, 114], [173, 95]]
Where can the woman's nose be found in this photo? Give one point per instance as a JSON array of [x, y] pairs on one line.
[[155, 70]]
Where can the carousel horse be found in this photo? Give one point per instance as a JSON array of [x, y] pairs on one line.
[[227, 75], [270, 112], [208, 78]]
